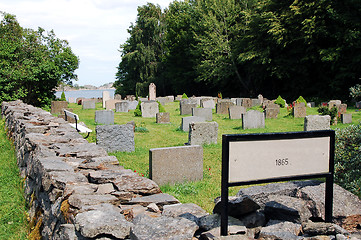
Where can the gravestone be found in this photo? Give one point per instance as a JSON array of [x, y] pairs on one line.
[[72, 100], [299, 110], [239, 101], [122, 106], [208, 103], [260, 98], [58, 106], [176, 164], [186, 106], [106, 97], [256, 102], [235, 112], [358, 105], [253, 119], [88, 103], [132, 105], [116, 138], [170, 99], [196, 100], [342, 108], [266, 102], [203, 133], [346, 118], [178, 98], [130, 97], [317, 122], [163, 117], [246, 102], [311, 104], [143, 99], [334, 103], [272, 110], [152, 92], [205, 113], [162, 100], [104, 117], [223, 106], [118, 97], [110, 104], [149, 109], [187, 120]]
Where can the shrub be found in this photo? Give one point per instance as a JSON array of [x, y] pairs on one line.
[[138, 110], [348, 158], [325, 111], [62, 97], [160, 107], [280, 101], [300, 99], [184, 96], [355, 92]]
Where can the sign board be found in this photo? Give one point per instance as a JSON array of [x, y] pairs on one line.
[[272, 157]]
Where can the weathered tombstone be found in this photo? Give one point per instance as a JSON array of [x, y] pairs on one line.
[[118, 97], [186, 106], [253, 119], [106, 97], [358, 105], [176, 164], [342, 108], [132, 105], [260, 98], [203, 133], [272, 110], [88, 103], [72, 100], [205, 113], [246, 102], [346, 118], [196, 100], [178, 97], [256, 102], [235, 112], [334, 103], [58, 106], [266, 102], [110, 104], [317, 122], [187, 120], [115, 138], [312, 104], [239, 101], [223, 106], [152, 92], [170, 99], [208, 103], [162, 100], [104, 117], [149, 109], [130, 97], [163, 117], [122, 106], [299, 110]]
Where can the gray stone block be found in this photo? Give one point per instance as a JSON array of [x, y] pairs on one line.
[[223, 106], [317, 122], [88, 104], [299, 110], [104, 117], [132, 105], [208, 103], [186, 106], [115, 138], [187, 120], [205, 113], [176, 164], [253, 119], [163, 117], [122, 106], [203, 133], [235, 112], [149, 109], [346, 118]]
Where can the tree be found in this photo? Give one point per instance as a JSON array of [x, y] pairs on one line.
[[32, 63]]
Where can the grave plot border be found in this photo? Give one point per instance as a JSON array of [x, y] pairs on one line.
[[225, 184]]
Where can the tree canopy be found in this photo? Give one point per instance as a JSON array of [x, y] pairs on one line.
[[32, 63]]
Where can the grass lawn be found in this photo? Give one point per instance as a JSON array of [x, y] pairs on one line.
[[13, 224], [202, 192]]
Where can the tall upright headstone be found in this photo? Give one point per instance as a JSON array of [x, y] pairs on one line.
[[299, 110], [106, 97], [104, 117], [253, 119], [202, 133], [152, 92], [149, 109]]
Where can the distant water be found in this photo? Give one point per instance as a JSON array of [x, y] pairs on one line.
[[85, 93]]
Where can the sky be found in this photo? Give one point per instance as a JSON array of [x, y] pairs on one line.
[[94, 29]]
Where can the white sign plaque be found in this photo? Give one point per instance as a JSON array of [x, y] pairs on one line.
[[266, 159]]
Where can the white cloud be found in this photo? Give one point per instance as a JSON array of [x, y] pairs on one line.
[[94, 28]]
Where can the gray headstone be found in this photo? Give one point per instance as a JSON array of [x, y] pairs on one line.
[[115, 138], [256, 102], [223, 106], [130, 97], [122, 106], [272, 110], [88, 104], [106, 97], [149, 109], [247, 102], [163, 117], [186, 106], [346, 118], [203, 133], [317, 122], [132, 105], [299, 110], [239, 101], [187, 120], [312, 104], [104, 117], [118, 97], [205, 113], [152, 92], [253, 119], [110, 104], [208, 103], [235, 112], [342, 108], [176, 164]]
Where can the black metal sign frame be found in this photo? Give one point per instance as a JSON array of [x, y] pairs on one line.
[[227, 138]]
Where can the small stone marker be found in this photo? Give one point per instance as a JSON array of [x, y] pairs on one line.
[[223, 106], [299, 110], [106, 97], [132, 105], [208, 103], [163, 117], [58, 106], [149, 109], [346, 118], [203, 133], [235, 112], [122, 106], [187, 120], [186, 106], [104, 117], [342, 108], [256, 102], [317, 122], [110, 104], [205, 113], [272, 110], [260, 98], [253, 119], [118, 97], [239, 101], [152, 92], [176, 164], [334, 103], [88, 103], [247, 102], [116, 137]]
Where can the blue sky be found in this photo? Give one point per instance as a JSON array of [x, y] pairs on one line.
[[94, 29]]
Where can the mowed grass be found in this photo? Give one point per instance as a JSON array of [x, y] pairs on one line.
[[201, 192], [13, 224]]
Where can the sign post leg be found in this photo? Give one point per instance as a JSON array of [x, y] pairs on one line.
[[329, 198]]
